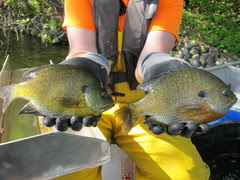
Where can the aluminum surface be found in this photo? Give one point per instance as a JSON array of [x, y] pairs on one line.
[[49, 155]]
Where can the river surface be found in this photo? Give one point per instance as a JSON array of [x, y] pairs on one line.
[[29, 51]]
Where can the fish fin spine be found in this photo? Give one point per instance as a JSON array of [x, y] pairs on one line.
[[126, 115], [7, 95]]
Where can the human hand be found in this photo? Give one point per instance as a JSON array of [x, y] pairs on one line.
[[92, 62], [185, 129]]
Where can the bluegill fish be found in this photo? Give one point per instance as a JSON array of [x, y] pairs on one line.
[[186, 95], [59, 91]]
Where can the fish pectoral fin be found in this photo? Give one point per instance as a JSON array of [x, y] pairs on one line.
[[68, 102], [29, 109], [187, 111], [190, 107]]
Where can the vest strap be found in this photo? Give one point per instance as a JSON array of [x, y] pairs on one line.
[[139, 15], [106, 14]]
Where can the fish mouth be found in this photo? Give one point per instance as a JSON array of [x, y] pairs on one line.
[[226, 106], [230, 104], [235, 100], [103, 108], [108, 107]]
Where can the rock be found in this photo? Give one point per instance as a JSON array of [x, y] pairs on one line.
[[194, 62], [178, 55], [236, 58], [211, 59], [187, 57], [194, 50], [203, 59], [214, 50], [193, 42], [196, 56], [185, 39], [219, 61], [226, 58], [188, 45], [204, 48], [183, 51], [179, 46]]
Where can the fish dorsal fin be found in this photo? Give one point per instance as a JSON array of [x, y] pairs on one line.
[[29, 109], [190, 108], [33, 71], [145, 85]]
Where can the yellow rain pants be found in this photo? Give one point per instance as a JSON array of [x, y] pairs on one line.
[[157, 157]]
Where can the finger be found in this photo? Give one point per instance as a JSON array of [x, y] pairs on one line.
[[49, 122], [189, 129], [150, 122], [62, 124], [156, 127], [203, 128], [91, 120], [76, 123], [159, 129], [150, 125], [175, 128]]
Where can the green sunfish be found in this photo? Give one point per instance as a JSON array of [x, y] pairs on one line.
[[186, 95], [59, 91]]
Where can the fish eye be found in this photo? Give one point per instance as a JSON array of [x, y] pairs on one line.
[[84, 89], [226, 93], [203, 94], [105, 95]]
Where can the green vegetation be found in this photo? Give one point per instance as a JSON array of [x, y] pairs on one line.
[[42, 18], [215, 22]]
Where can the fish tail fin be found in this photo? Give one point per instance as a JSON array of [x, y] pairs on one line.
[[6, 94], [126, 115]]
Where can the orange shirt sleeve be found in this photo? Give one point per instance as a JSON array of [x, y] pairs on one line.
[[168, 16], [78, 13]]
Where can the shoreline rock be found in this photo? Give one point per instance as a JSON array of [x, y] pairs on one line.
[[200, 54]]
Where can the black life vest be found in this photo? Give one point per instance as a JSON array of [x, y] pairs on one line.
[[138, 17]]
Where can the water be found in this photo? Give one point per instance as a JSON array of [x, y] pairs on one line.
[[26, 53], [30, 51]]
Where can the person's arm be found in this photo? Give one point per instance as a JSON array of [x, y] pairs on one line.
[[80, 41], [157, 41]]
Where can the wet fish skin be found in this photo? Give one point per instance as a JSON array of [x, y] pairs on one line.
[[59, 91], [178, 96]]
